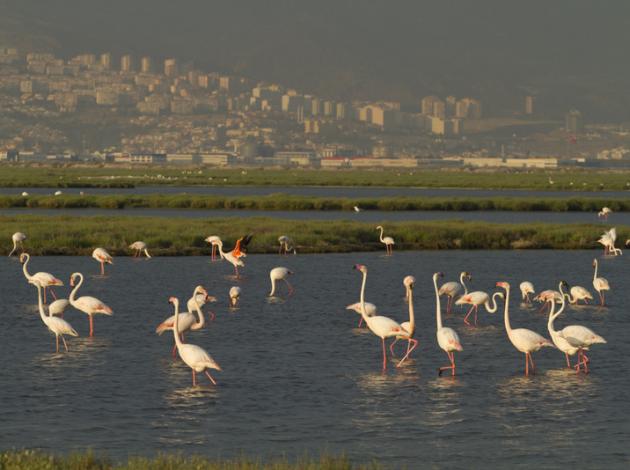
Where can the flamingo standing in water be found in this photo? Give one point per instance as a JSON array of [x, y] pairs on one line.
[[477, 298], [370, 310], [577, 293], [524, 340], [527, 288], [139, 247], [286, 245], [58, 326], [408, 326], [387, 241], [214, 241], [187, 320], [279, 274], [604, 213], [88, 305], [102, 256], [234, 256], [608, 240], [193, 356], [58, 307], [600, 284], [235, 295], [452, 289], [447, 338], [546, 296], [18, 241], [42, 279], [381, 326]]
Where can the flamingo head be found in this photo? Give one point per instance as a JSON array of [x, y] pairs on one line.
[[437, 275], [503, 284], [379, 227], [201, 290], [594, 262], [23, 258], [361, 267], [468, 276], [172, 300], [72, 280], [409, 281], [211, 298], [564, 284]]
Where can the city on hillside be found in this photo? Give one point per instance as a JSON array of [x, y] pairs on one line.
[[140, 110]]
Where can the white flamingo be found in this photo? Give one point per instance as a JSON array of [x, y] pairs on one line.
[[604, 213], [561, 343], [42, 279], [452, 289], [387, 241], [235, 296], [546, 296], [527, 288], [139, 247], [524, 340], [58, 307], [408, 326], [234, 256], [577, 293], [102, 256], [18, 241], [381, 326], [279, 274], [187, 320], [286, 245], [477, 298], [58, 326], [193, 356], [370, 310], [608, 240], [447, 338], [600, 284], [86, 304], [214, 241]]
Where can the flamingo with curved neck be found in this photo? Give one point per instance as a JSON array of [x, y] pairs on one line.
[[477, 298], [408, 326], [600, 284], [45, 280], [88, 305], [447, 338], [387, 241], [452, 288], [58, 326]]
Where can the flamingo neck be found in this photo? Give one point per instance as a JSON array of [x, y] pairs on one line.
[[178, 341], [40, 304], [381, 236], [25, 266], [493, 308], [412, 317], [273, 287], [595, 273], [438, 307], [362, 298], [567, 295], [73, 294], [461, 281], [506, 311], [146, 252], [202, 318]]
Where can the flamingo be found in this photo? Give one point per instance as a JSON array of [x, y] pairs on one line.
[[524, 340], [388, 241], [18, 240], [447, 338], [41, 278], [577, 293], [187, 320], [604, 213], [381, 326], [235, 295], [88, 305], [526, 289], [452, 288], [193, 356], [58, 326], [477, 298], [546, 296], [199, 300], [139, 247], [234, 256], [608, 239], [279, 274], [370, 310], [102, 256], [58, 307], [408, 326], [214, 240], [600, 284], [58, 193], [356, 208], [286, 245]]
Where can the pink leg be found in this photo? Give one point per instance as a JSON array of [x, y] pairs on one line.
[[526, 364], [65, 345], [476, 307], [44, 294], [391, 347], [451, 358], [291, 290], [531, 360], [468, 314], [102, 268], [210, 377], [91, 326], [174, 351], [409, 350], [360, 321], [448, 305], [384, 355], [57, 342], [52, 292], [568, 361], [212, 315], [194, 378]]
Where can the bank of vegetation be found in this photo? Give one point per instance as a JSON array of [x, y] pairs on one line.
[[283, 202], [64, 235], [34, 460]]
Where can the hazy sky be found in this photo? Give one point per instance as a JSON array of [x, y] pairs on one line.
[[570, 52]]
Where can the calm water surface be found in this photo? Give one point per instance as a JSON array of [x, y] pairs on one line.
[[325, 191], [300, 377], [621, 218]]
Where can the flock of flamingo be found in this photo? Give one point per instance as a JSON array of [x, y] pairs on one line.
[[571, 340]]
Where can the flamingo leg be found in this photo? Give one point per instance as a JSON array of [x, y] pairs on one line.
[[409, 350], [210, 377], [360, 321], [448, 305], [44, 294], [531, 360], [194, 377], [391, 347], [102, 268], [289, 286], [174, 351], [384, 355], [91, 326], [526, 364], [52, 292], [451, 358], [65, 345], [476, 308], [468, 314], [212, 315], [57, 342], [568, 361]]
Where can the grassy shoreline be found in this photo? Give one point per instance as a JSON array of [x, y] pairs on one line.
[[31, 459], [281, 202], [84, 176], [64, 235]]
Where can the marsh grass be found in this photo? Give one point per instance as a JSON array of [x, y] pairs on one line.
[[66, 235], [283, 202], [34, 460]]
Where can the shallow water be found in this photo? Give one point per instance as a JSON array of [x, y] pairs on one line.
[[300, 377], [326, 191], [620, 218]]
